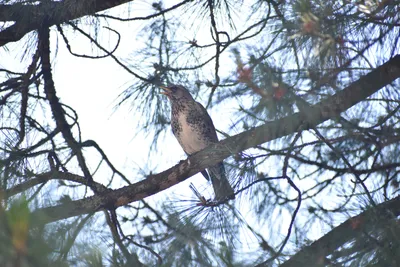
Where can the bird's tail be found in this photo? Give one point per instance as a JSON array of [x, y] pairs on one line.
[[222, 188]]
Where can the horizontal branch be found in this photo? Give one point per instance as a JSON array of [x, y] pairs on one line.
[[31, 17], [52, 175], [315, 254], [327, 109]]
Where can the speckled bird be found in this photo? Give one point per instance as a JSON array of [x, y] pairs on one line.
[[194, 130]]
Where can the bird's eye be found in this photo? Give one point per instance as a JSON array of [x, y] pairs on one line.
[[174, 89]]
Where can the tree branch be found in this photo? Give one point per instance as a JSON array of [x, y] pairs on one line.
[[329, 108], [314, 254], [30, 17]]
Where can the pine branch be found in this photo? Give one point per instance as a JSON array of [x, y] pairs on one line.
[[329, 108], [314, 254], [55, 105]]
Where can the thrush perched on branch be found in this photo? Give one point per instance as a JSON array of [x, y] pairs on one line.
[[194, 129]]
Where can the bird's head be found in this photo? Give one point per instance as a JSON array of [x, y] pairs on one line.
[[176, 92]]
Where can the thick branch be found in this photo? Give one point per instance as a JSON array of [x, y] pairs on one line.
[[314, 254], [326, 109], [30, 17]]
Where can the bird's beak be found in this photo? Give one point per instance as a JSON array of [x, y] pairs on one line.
[[166, 91]]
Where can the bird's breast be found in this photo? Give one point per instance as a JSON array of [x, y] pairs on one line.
[[189, 135]]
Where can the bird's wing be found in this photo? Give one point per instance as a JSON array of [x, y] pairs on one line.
[[210, 129]]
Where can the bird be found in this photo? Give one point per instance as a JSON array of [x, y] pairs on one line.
[[194, 129]]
